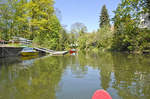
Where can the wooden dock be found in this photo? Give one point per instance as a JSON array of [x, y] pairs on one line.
[[51, 52], [44, 50], [59, 52]]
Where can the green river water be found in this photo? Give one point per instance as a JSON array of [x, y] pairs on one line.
[[124, 76]]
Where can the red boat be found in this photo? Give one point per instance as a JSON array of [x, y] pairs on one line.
[[101, 94], [72, 51]]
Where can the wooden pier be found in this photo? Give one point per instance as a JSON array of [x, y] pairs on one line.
[[59, 52], [44, 50], [51, 52]]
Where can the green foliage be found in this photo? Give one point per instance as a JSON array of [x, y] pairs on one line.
[[21, 25], [82, 40], [49, 35], [144, 40], [44, 25], [104, 18], [104, 37], [5, 18], [146, 4], [64, 40], [128, 36], [72, 38], [125, 34], [32, 19]]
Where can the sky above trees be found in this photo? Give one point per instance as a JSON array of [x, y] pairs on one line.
[[84, 11]]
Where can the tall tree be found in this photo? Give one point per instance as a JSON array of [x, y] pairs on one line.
[[104, 17], [64, 39], [5, 19], [21, 21], [12, 19], [43, 23], [78, 29]]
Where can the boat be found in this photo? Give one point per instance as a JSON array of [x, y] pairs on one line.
[[72, 51], [29, 52], [101, 94]]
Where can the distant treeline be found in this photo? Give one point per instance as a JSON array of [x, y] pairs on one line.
[[125, 34]]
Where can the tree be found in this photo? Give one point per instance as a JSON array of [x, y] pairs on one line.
[[127, 36], [5, 19], [44, 26], [21, 21], [78, 29], [148, 5], [64, 39], [104, 38], [33, 19], [126, 25], [104, 17]]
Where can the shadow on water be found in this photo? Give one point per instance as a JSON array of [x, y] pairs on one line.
[[9, 61], [124, 76]]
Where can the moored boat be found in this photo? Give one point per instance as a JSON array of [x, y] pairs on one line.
[[29, 52], [72, 51]]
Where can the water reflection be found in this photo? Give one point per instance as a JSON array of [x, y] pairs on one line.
[[37, 82], [131, 76], [124, 76], [78, 69]]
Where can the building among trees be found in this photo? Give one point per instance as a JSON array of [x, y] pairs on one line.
[[145, 21]]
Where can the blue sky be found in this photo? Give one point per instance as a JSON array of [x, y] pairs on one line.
[[84, 11]]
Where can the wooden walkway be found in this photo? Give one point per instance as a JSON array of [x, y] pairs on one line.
[[59, 52], [52, 52], [44, 50]]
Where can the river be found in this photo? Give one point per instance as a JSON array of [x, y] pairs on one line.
[[124, 76]]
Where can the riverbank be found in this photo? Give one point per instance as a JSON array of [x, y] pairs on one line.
[[10, 51], [15, 51], [110, 50]]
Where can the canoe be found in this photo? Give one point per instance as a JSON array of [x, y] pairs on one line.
[[29, 52], [101, 94]]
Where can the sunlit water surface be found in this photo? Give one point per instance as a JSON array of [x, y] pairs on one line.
[[124, 76]]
